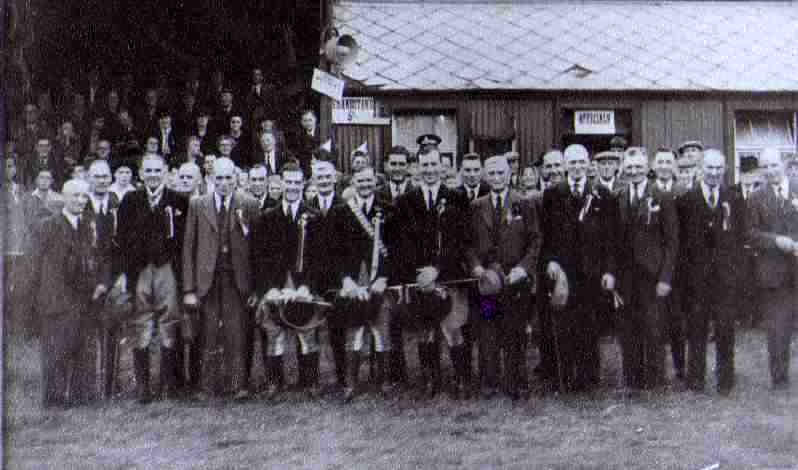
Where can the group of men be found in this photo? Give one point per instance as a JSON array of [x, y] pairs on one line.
[[210, 273]]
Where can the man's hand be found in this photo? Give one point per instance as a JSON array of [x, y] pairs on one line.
[[121, 283], [426, 278], [608, 282], [785, 244], [99, 291], [273, 295], [303, 293], [663, 289], [478, 271], [553, 270], [190, 300], [517, 274], [379, 285], [349, 287]]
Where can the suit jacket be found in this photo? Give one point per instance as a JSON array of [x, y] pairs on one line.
[[260, 157], [337, 200], [772, 217], [713, 239], [275, 246], [419, 229], [174, 155], [517, 242], [105, 227], [144, 235], [201, 242], [649, 237], [584, 249], [385, 191], [64, 274]]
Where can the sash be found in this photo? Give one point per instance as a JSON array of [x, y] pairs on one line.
[[366, 224]]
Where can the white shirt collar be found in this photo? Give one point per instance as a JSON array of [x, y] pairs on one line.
[[641, 188], [218, 200], [608, 183], [581, 183], [97, 202], [369, 202], [503, 194], [294, 206], [707, 190], [666, 186], [784, 187], [71, 218]]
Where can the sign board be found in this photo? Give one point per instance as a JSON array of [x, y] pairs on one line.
[[327, 84], [594, 122], [361, 110]]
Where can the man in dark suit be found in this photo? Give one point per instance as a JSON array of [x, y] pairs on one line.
[[579, 222], [258, 187], [268, 155], [66, 280], [774, 231], [433, 236], [507, 242], [224, 111], [609, 164], [286, 274], [150, 224], [364, 273], [217, 281], [471, 170], [147, 117], [44, 157], [101, 214], [307, 141], [167, 141], [650, 243], [713, 221], [396, 168], [749, 307], [676, 304]]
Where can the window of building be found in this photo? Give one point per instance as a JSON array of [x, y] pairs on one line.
[[756, 130]]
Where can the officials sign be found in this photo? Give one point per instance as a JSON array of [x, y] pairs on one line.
[[594, 122]]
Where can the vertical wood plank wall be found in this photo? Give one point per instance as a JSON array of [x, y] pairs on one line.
[[661, 120]]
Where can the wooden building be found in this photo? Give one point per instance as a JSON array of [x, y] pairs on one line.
[[532, 75]]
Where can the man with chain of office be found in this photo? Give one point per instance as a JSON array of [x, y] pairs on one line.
[[362, 250]]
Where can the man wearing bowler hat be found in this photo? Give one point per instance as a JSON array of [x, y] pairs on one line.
[[504, 256]]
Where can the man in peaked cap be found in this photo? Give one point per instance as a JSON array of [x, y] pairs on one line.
[[431, 141], [618, 144]]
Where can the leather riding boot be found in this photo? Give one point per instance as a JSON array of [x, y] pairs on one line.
[[312, 375], [194, 366], [383, 373], [169, 373], [353, 376], [276, 378], [457, 353], [141, 368], [180, 362]]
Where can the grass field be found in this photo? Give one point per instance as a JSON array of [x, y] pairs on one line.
[[755, 428]]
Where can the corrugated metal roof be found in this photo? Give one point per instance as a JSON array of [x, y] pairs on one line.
[[685, 45]]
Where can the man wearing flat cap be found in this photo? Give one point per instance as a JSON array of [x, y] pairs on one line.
[[579, 223], [690, 155], [506, 242], [608, 165]]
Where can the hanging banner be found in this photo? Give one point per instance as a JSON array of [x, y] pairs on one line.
[[327, 84], [360, 110], [594, 122]]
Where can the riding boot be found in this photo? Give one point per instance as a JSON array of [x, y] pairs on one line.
[[312, 375], [351, 388], [424, 367], [169, 373], [457, 353], [180, 362], [141, 368], [194, 366], [383, 373], [435, 369], [276, 378]]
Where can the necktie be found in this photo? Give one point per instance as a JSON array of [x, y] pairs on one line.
[[365, 209], [713, 201], [635, 194], [575, 190], [429, 199]]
